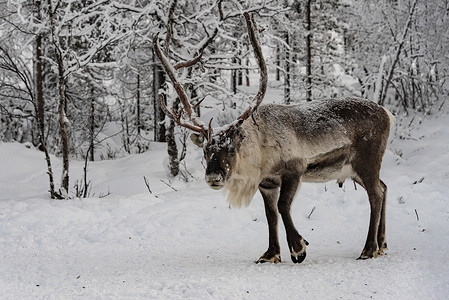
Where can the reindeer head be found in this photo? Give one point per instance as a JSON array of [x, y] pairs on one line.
[[220, 155], [221, 147]]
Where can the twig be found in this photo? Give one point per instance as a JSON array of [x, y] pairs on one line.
[[442, 103], [104, 195], [86, 183], [418, 181], [169, 186], [186, 173], [417, 217], [411, 121], [148, 186], [313, 209]]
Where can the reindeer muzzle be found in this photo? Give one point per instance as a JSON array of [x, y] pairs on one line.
[[215, 181]]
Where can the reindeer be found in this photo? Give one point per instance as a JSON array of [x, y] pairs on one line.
[[273, 148]]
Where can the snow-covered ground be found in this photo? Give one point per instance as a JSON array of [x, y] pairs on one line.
[[184, 242]]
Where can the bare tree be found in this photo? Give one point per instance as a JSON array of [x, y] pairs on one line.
[[40, 102], [401, 41]]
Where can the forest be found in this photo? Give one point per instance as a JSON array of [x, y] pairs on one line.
[[75, 73], [103, 196]]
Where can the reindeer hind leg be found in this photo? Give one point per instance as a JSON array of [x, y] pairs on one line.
[[368, 178], [381, 239]]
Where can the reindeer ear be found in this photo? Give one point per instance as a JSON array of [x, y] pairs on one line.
[[197, 139], [239, 135]]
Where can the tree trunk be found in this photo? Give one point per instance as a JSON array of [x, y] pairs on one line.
[[287, 83], [138, 121], [234, 79], [126, 140], [159, 115], [61, 105], [240, 71], [63, 128], [234, 72], [172, 149], [278, 63], [247, 73], [308, 51], [215, 73], [194, 95], [92, 125], [40, 103], [378, 86]]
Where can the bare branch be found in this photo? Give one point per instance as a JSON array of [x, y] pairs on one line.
[[169, 35], [201, 51], [148, 186], [263, 80]]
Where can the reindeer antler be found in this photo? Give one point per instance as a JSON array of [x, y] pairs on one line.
[[195, 124], [263, 80]]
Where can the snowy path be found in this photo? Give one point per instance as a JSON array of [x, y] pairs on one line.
[[188, 244]]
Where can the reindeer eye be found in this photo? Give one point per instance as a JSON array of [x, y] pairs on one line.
[[207, 151], [231, 151]]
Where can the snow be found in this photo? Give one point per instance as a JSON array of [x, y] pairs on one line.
[[188, 244]]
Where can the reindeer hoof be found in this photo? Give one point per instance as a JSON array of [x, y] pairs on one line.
[[298, 258], [274, 259], [382, 249], [367, 255]]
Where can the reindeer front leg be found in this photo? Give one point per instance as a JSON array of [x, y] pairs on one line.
[[297, 245], [270, 194]]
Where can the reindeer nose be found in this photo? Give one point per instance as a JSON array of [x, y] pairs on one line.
[[215, 181]]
